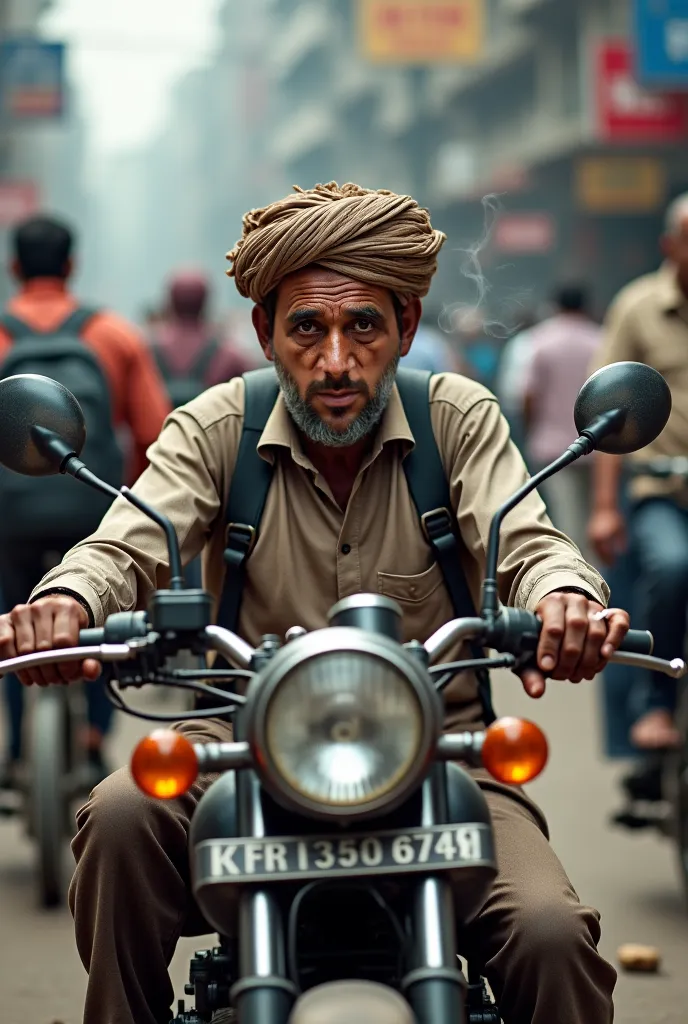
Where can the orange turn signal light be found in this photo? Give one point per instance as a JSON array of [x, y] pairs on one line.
[[514, 750], [164, 764]]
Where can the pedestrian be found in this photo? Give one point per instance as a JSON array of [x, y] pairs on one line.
[[45, 329], [648, 322], [191, 352], [561, 350]]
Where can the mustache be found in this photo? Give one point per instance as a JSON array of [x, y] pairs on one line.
[[344, 383]]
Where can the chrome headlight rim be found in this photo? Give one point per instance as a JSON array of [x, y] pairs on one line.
[[344, 639]]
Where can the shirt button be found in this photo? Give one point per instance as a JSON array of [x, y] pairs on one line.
[[413, 590], [346, 548]]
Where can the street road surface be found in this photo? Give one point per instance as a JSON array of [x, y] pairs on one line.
[[631, 879]]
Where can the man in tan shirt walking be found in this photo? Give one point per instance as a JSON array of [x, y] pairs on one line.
[[336, 276], [648, 322]]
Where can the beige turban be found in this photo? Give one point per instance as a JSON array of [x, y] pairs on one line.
[[373, 236]]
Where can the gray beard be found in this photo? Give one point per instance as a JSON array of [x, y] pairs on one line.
[[316, 430]]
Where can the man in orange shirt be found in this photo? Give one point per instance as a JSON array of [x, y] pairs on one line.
[[42, 265]]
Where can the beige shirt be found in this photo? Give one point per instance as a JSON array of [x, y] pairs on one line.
[[648, 323], [298, 567]]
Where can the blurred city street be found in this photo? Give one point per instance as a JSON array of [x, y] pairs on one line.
[[632, 880]]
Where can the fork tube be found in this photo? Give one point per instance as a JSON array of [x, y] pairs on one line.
[[435, 986], [263, 994]]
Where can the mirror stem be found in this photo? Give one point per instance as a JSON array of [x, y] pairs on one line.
[[583, 445], [73, 466]]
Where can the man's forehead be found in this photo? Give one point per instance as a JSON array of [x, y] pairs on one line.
[[317, 288]]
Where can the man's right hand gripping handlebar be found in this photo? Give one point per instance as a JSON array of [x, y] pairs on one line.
[[49, 623]]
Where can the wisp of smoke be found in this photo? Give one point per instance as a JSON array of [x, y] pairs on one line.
[[472, 316]]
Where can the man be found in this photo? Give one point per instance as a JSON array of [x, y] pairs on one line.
[[42, 264], [189, 351], [648, 322], [561, 350], [336, 275]]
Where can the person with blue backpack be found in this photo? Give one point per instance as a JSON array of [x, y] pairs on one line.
[[106, 364]]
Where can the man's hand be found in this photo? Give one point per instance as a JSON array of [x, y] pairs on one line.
[[607, 534], [574, 643], [48, 623]]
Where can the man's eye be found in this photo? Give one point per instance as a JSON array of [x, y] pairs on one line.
[[308, 327], [363, 326]]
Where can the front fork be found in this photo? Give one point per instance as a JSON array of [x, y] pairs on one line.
[[435, 986], [264, 994]]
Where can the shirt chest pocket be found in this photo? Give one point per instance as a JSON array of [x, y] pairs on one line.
[[423, 599], [411, 589]]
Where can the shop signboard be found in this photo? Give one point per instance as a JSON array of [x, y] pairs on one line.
[[18, 200], [31, 79], [620, 184], [627, 112], [661, 43], [408, 32]]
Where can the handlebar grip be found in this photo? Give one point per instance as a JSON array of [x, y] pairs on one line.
[[91, 637], [637, 641]]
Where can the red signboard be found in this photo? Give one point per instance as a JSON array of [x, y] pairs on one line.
[[18, 199], [524, 233], [625, 111]]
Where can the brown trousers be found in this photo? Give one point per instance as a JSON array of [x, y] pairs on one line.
[[131, 900]]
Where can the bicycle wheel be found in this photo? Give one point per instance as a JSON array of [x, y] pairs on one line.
[[49, 730]]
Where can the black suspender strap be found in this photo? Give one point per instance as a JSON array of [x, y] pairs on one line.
[[248, 490], [429, 489]]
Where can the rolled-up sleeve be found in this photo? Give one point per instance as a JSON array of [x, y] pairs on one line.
[[125, 560], [485, 468]]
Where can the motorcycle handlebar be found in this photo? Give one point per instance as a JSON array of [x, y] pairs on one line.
[[119, 627], [515, 631]]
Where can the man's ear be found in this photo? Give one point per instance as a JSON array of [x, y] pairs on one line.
[[261, 325], [410, 318]]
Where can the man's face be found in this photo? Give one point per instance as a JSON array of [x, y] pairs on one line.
[[336, 345], [676, 250]]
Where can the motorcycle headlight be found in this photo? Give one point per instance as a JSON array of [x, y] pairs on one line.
[[343, 724]]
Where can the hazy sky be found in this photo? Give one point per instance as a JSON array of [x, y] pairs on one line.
[[125, 55]]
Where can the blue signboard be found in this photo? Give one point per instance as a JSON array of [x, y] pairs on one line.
[[31, 79], [661, 43]]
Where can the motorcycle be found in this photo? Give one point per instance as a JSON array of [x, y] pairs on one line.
[[655, 793], [339, 799]]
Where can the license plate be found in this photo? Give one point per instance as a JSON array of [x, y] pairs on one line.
[[441, 847]]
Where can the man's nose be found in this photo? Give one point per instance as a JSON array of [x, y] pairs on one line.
[[335, 355]]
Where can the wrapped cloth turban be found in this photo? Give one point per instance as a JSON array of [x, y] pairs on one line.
[[378, 237]]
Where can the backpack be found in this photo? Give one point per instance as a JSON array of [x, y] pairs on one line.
[[183, 387], [35, 507], [427, 485]]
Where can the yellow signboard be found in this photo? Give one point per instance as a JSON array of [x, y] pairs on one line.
[[620, 184], [421, 31]]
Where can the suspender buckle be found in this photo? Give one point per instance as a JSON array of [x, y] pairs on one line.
[[437, 525], [239, 539]]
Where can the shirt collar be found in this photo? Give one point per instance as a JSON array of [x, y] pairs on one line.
[[280, 430], [670, 296]]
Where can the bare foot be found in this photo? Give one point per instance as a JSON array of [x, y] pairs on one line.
[[655, 731]]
